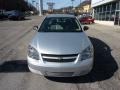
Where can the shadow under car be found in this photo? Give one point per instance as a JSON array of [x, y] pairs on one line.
[[104, 65]]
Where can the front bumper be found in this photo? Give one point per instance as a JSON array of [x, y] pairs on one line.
[[60, 69]]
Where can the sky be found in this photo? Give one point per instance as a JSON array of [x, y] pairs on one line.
[[58, 3]]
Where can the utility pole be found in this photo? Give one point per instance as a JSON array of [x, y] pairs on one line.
[[50, 6], [40, 7], [37, 6], [72, 3]]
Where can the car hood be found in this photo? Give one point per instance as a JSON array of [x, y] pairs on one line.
[[60, 43]]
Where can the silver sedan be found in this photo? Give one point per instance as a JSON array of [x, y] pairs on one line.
[[60, 48]]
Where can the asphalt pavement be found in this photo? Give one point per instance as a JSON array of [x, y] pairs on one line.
[[14, 74]]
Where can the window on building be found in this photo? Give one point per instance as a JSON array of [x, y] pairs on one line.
[[106, 12], [113, 6], [107, 16], [108, 8]]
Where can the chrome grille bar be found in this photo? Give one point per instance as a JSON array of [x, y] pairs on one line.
[[59, 58]]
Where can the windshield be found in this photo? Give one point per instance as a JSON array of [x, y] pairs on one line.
[[60, 24]]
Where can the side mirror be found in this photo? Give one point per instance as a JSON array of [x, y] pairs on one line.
[[35, 28], [85, 28]]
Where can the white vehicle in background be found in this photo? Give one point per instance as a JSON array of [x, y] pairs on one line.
[[60, 48]]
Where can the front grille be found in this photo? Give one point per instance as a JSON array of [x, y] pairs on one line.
[[59, 58]]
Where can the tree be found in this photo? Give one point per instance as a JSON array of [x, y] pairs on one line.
[[21, 5]]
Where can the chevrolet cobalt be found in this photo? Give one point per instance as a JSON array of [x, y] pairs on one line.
[[60, 48]]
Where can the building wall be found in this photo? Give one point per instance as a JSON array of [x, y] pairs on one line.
[[107, 13], [86, 8], [95, 3], [108, 23]]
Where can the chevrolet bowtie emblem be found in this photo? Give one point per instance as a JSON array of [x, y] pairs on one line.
[[60, 58]]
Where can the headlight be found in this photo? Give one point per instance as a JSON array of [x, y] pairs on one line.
[[87, 53], [33, 53]]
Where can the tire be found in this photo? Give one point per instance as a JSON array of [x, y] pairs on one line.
[[19, 18], [90, 22]]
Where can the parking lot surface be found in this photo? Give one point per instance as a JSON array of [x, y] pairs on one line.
[[14, 74]]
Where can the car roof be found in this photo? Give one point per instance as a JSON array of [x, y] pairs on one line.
[[60, 15]]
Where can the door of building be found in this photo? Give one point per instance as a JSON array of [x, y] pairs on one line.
[[117, 18]]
